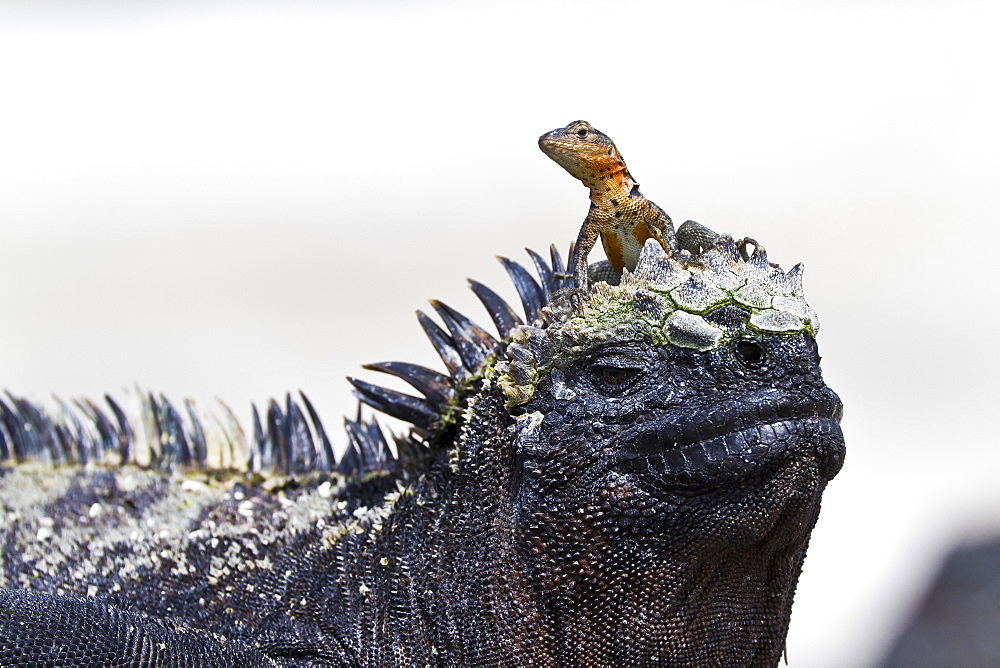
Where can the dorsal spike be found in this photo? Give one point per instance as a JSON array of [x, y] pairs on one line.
[[325, 459], [276, 435], [436, 387], [527, 288], [235, 438], [67, 448], [501, 313], [444, 346], [369, 444], [288, 432], [474, 344], [198, 446], [561, 279], [377, 442], [302, 446], [38, 437], [105, 430], [570, 281], [359, 462], [260, 452], [175, 445], [558, 266], [95, 439], [545, 275], [12, 430], [154, 431], [73, 437], [266, 447], [408, 449], [396, 404], [350, 462], [49, 434], [126, 438], [6, 443]]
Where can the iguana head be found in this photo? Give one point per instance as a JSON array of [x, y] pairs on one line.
[[695, 367], [664, 444]]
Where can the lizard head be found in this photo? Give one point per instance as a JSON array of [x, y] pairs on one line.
[[584, 151]]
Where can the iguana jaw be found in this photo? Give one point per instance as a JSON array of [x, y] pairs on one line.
[[697, 451], [737, 454]]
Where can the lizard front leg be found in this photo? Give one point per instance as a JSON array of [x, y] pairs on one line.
[[661, 228], [585, 242]]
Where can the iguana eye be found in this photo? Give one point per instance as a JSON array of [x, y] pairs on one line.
[[613, 376], [750, 353]]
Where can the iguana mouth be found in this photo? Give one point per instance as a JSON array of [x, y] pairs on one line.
[[723, 442]]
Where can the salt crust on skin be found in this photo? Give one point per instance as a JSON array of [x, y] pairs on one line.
[[665, 300]]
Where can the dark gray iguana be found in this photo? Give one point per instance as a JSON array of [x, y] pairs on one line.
[[628, 476]]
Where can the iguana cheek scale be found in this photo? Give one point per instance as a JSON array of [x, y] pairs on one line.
[[626, 474]]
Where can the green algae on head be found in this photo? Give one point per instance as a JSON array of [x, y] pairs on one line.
[[700, 301]]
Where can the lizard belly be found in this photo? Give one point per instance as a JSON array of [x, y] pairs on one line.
[[639, 233], [613, 249], [624, 246]]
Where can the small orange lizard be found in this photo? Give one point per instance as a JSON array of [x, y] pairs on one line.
[[619, 213]]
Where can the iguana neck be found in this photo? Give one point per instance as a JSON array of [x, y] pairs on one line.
[[562, 589], [703, 579], [731, 608]]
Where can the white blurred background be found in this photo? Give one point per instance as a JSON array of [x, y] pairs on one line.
[[238, 199]]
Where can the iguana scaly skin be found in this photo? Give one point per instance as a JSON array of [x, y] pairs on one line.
[[619, 214], [628, 476]]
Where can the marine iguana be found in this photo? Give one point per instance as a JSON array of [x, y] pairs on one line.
[[628, 475]]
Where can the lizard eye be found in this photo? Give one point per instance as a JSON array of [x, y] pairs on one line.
[[582, 133], [750, 353]]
